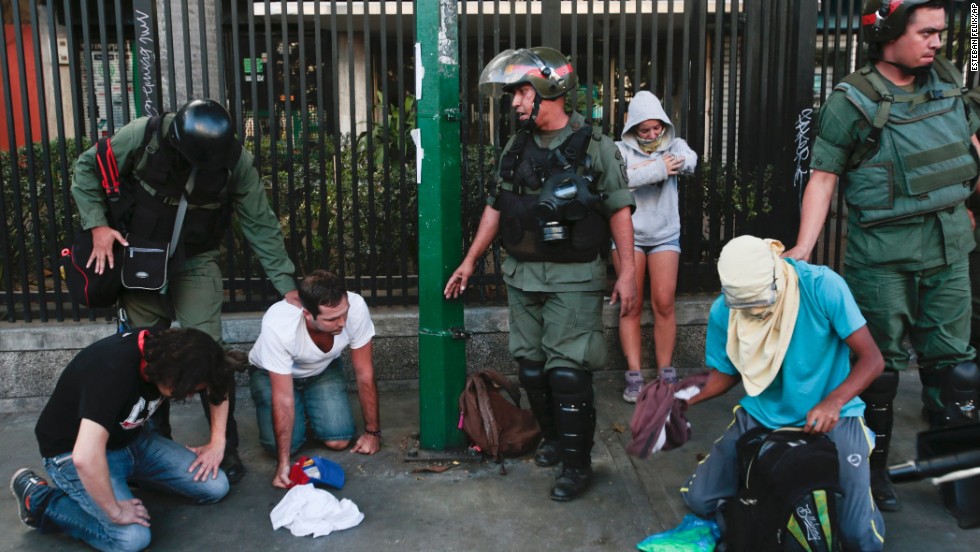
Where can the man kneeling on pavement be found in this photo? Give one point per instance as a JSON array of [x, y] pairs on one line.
[[94, 442], [786, 329], [297, 373]]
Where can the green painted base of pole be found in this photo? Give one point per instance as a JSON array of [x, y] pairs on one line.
[[440, 384]]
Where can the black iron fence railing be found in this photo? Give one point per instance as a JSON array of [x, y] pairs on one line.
[[323, 93]]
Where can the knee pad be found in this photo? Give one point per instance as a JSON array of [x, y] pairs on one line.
[[531, 374], [571, 384], [883, 389]]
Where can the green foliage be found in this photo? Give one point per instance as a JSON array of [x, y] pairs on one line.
[[391, 140], [28, 229], [346, 205], [736, 188]]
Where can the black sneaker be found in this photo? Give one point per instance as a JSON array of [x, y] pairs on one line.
[[883, 492], [232, 466], [22, 485]]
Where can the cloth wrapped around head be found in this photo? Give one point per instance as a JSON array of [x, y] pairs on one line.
[[762, 291]]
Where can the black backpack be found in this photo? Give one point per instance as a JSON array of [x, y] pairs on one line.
[[85, 286], [787, 498]]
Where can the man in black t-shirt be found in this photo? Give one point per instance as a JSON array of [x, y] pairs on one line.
[[91, 435]]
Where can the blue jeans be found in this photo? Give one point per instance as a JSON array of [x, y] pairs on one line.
[[321, 399], [150, 460]]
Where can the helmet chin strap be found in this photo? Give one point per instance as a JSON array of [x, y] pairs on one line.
[[530, 123], [917, 72]]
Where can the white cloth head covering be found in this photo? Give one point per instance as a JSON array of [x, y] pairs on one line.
[[759, 330]]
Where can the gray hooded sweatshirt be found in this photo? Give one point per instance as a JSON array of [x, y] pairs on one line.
[[656, 220]]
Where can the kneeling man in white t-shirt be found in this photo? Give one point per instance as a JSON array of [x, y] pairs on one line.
[[298, 374]]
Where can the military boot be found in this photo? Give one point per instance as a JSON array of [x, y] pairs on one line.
[[576, 420]]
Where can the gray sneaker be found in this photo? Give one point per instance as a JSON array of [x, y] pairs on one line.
[[22, 485], [634, 383]]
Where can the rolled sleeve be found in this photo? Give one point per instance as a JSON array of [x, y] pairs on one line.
[[838, 134], [829, 158], [86, 183], [610, 171]]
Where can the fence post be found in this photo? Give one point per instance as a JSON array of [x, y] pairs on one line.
[[442, 357], [145, 78], [799, 118]]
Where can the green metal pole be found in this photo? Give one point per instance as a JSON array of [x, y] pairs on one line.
[[442, 357]]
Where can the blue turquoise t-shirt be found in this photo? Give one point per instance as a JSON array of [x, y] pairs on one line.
[[817, 360]]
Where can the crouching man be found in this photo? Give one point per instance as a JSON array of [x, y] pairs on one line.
[[786, 329], [93, 440], [297, 372]]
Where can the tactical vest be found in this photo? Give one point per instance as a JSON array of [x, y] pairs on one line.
[[523, 168], [148, 201], [890, 176]]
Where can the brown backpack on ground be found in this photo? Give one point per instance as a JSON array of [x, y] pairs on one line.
[[497, 426]]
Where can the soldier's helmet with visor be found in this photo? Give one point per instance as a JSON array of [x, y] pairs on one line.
[[546, 69]]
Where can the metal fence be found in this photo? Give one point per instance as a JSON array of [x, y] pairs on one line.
[[323, 93]]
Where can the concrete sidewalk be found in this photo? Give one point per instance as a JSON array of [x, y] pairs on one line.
[[471, 506]]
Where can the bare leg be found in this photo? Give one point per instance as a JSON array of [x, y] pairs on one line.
[[629, 325], [663, 267]]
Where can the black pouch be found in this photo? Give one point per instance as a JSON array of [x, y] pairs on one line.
[[144, 264], [85, 286]]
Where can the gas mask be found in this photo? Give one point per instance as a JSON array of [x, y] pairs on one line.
[[564, 199]]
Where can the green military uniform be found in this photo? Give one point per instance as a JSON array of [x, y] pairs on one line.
[[908, 270], [555, 307], [195, 286], [194, 292]]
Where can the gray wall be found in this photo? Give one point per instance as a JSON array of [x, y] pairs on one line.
[[33, 355]]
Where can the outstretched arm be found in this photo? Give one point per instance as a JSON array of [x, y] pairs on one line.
[[717, 384], [485, 233], [283, 417], [621, 226], [816, 204], [367, 393]]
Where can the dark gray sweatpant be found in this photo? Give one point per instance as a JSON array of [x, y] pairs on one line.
[[861, 524]]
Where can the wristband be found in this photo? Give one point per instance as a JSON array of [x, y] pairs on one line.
[[375, 433]]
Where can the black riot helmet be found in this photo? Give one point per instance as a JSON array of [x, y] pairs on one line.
[[204, 135]]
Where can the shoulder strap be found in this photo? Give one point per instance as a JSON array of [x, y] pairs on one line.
[[490, 428], [512, 157], [108, 168], [106, 159], [573, 153], [947, 71], [577, 145], [871, 84]]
